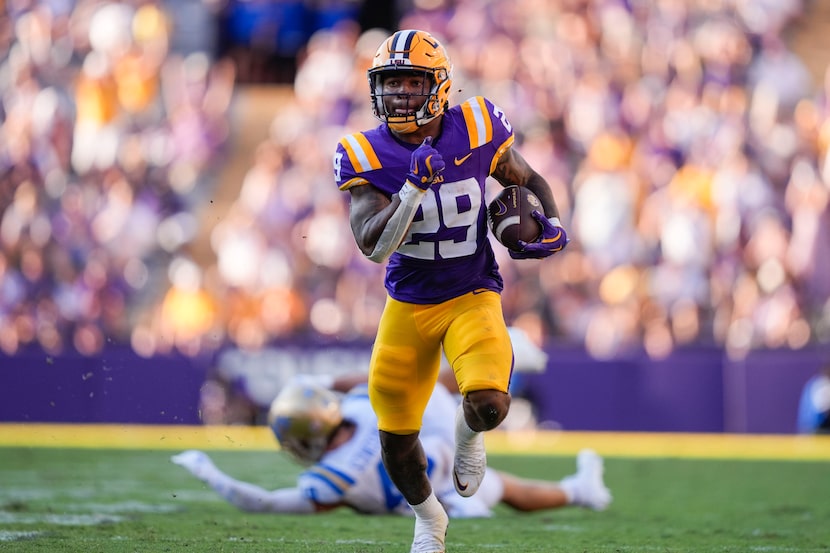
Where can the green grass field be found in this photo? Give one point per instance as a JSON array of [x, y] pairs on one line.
[[84, 499]]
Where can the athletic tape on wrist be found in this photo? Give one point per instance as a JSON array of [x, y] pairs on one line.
[[398, 224]]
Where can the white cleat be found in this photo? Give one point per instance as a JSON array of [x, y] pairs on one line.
[[430, 535], [470, 461], [588, 485]]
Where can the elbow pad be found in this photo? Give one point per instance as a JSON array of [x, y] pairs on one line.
[[398, 224]]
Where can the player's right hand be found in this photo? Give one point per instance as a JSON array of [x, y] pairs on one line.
[[424, 165]]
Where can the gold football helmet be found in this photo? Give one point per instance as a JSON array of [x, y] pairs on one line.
[[303, 418], [411, 51]]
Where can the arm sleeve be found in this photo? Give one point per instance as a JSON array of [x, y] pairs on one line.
[[254, 499], [398, 224]]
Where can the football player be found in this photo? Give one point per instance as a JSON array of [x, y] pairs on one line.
[[336, 436], [814, 404], [416, 186]]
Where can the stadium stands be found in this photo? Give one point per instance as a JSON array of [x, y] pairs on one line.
[[687, 142]]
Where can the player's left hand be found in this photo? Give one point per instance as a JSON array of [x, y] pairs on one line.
[[197, 462], [553, 239]]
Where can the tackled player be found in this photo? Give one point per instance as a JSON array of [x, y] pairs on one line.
[[335, 436]]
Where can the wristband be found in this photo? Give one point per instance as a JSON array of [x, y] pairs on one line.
[[410, 192]]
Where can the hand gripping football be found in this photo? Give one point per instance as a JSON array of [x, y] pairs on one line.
[[511, 219]]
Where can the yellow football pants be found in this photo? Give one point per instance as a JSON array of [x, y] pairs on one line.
[[406, 356]]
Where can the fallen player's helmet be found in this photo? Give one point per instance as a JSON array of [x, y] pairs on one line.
[[303, 418], [418, 52]]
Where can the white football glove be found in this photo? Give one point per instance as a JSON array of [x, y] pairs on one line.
[[197, 462]]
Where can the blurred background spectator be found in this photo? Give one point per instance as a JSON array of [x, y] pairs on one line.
[[166, 175]]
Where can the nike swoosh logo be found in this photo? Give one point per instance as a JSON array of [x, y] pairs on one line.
[[458, 485], [458, 161]]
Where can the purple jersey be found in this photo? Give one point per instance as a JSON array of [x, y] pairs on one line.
[[445, 252]]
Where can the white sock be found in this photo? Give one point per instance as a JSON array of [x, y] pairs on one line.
[[568, 486], [463, 432], [429, 509]]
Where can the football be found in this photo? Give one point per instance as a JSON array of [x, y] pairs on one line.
[[510, 216]]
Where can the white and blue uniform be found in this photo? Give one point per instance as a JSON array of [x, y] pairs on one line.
[[353, 474]]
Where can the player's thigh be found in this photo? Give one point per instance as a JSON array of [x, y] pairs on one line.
[[403, 368], [477, 344]]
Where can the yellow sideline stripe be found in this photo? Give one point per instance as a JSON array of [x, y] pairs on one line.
[[653, 444], [610, 444], [129, 436]]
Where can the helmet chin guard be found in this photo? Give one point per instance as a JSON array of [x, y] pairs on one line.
[[413, 52]]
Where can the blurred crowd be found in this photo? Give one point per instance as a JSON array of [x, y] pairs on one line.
[[686, 144], [110, 128]]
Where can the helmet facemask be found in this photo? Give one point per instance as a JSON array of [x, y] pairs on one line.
[[418, 115], [406, 53]]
